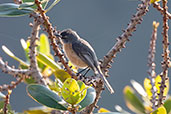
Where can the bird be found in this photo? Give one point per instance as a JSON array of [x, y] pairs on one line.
[[80, 53]]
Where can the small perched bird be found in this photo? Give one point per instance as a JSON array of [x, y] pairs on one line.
[[81, 54]]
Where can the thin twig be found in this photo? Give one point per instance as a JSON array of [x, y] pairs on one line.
[[12, 71], [160, 9], [136, 19], [33, 71], [6, 102], [152, 65], [99, 87], [48, 27], [166, 58], [121, 40], [32, 54], [12, 85]]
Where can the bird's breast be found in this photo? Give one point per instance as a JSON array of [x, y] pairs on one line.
[[73, 57]]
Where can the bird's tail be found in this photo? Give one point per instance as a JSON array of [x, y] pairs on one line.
[[105, 81]]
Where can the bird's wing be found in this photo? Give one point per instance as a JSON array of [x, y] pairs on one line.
[[86, 53]]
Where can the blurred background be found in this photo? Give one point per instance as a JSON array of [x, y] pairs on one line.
[[99, 22]]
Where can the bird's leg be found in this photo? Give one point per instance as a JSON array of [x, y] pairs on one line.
[[86, 71], [82, 71]]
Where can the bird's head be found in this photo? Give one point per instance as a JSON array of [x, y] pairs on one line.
[[68, 36]]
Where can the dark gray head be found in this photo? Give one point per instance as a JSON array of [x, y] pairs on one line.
[[68, 36]]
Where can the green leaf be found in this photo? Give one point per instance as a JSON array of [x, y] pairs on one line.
[[160, 110], [62, 74], [89, 98], [25, 46], [56, 86], [38, 110], [8, 52], [27, 5], [47, 61], [35, 112], [138, 88], [52, 5], [44, 45], [71, 91], [167, 105], [45, 96], [13, 10], [83, 89], [44, 48], [132, 101]]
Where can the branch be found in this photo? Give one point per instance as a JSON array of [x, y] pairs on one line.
[[166, 58], [33, 62], [121, 40], [160, 9], [136, 19], [48, 27], [33, 71], [6, 102], [99, 87], [12, 85], [12, 71], [152, 65]]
